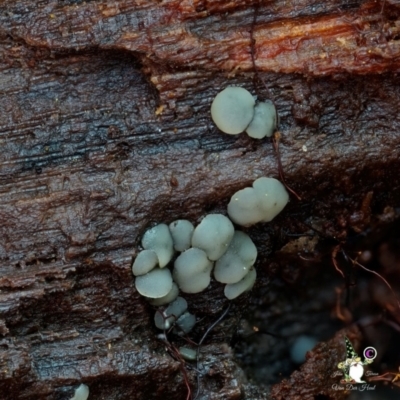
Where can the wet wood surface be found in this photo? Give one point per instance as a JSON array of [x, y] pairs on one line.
[[105, 129]]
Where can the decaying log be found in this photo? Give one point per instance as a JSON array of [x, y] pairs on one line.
[[105, 129]]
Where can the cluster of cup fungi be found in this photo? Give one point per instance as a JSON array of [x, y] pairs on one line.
[[213, 248]]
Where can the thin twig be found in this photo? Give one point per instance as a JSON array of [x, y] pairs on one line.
[[210, 328], [334, 262], [379, 276], [182, 364]]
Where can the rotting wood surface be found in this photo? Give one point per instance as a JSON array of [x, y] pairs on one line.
[[105, 129]]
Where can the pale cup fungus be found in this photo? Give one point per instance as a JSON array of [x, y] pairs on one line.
[[168, 298], [155, 284], [237, 261], [300, 347], [213, 235], [81, 393], [144, 262], [192, 271], [181, 231], [232, 110], [261, 203], [188, 354], [234, 290], [264, 121], [185, 323], [272, 195], [159, 239], [165, 319]]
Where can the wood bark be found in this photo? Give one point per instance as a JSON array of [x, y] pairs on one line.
[[105, 129]]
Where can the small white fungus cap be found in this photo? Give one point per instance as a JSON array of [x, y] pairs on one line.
[[185, 322], [144, 262], [234, 290], [159, 239], [237, 261], [264, 121], [261, 203], [188, 354], [272, 195], [168, 298], [181, 231], [155, 284], [192, 271], [213, 235], [300, 347], [232, 110], [165, 319], [81, 393]]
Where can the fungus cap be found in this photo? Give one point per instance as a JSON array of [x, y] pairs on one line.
[[232, 110], [237, 260], [186, 323], [243, 208], [177, 307], [159, 239], [192, 271], [264, 121], [165, 319], [181, 231], [213, 235], [155, 284], [168, 298], [272, 196], [300, 347], [234, 290], [188, 354], [81, 393], [144, 262], [261, 203]]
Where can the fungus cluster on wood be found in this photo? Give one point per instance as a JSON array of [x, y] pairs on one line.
[[235, 110], [260, 203], [214, 247], [175, 314]]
